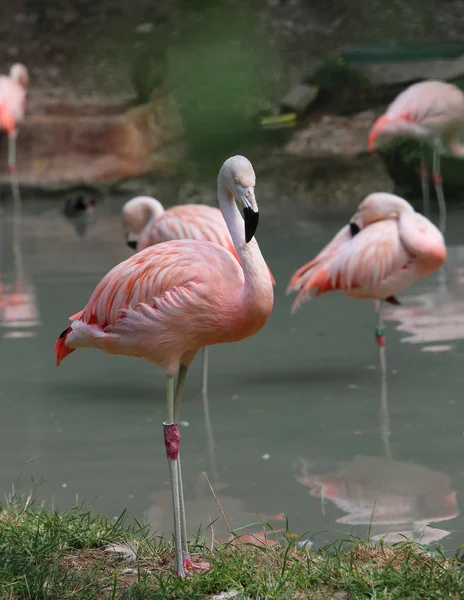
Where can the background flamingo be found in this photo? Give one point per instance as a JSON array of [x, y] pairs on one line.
[[168, 301], [13, 90], [432, 111], [385, 248], [146, 223]]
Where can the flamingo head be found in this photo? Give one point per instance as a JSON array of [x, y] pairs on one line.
[[238, 177], [378, 130], [19, 73], [377, 207], [135, 215]]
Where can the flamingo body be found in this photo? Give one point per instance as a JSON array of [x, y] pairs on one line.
[[188, 221], [392, 247], [429, 110], [13, 98], [167, 302], [147, 223]]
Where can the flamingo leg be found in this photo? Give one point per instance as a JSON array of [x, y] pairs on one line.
[[204, 371], [187, 564], [438, 182], [385, 417], [18, 261], [381, 340], [425, 188], [171, 442]]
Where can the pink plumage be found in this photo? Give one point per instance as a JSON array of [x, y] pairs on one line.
[[13, 89], [429, 110], [393, 247], [167, 301], [147, 223]]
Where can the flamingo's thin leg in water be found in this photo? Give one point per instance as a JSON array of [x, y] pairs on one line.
[[438, 182], [204, 370], [425, 188], [171, 442], [187, 563], [211, 446], [18, 261], [385, 417], [380, 339]]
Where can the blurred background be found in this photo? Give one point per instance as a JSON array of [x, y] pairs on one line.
[[142, 97]]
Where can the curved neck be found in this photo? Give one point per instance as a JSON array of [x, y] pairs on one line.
[[153, 207], [254, 267]]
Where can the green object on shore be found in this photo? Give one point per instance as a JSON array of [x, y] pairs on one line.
[[72, 554], [384, 53]]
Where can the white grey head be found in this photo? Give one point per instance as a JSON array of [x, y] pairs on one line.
[[377, 207], [239, 179], [19, 73], [135, 215]]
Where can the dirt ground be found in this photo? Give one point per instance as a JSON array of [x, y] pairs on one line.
[[83, 47]]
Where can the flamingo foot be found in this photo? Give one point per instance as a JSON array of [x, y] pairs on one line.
[[190, 568], [196, 567]]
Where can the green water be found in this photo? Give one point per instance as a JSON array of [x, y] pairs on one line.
[[295, 412]]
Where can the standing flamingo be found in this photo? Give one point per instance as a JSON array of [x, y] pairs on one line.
[[13, 90], [385, 248], [431, 111], [170, 300], [146, 223]]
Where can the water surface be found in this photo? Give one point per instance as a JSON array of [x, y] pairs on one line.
[[296, 421]]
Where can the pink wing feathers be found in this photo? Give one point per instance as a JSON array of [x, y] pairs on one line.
[[190, 221], [12, 103], [166, 282], [362, 263], [425, 109]]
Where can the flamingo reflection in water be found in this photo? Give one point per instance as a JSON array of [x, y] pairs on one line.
[[397, 500], [19, 309], [434, 318]]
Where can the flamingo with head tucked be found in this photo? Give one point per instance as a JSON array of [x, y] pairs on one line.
[[386, 247], [430, 111], [170, 300], [146, 223]]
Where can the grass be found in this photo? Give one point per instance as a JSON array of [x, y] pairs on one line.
[[50, 555]]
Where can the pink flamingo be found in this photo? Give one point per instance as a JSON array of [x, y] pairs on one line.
[[13, 90], [431, 111], [170, 300], [146, 223], [385, 248]]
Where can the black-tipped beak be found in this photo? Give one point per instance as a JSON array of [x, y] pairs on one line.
[[132, 244], [251, 222], [354, 229]]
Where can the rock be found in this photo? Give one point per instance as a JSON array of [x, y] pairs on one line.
[[333, 136], [72, 146], [299, 98]]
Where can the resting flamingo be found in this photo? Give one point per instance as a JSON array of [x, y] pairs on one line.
[[385, 248], [431, 111], [146, 223], [170, 300]]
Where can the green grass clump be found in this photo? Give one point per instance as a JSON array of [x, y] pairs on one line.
[[50, 555]]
